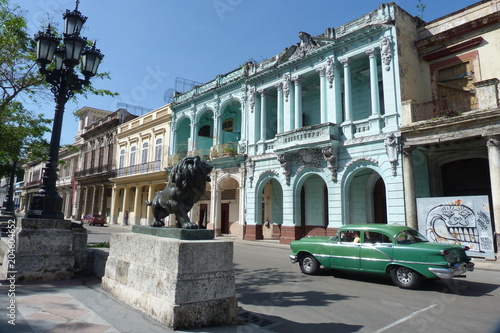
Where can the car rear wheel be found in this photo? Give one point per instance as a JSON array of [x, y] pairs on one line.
[[405, 278], [309, 264]]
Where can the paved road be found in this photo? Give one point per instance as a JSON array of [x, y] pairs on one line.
[[281, 299], [274, 295]]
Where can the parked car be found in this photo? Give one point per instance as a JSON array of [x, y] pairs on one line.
[[397, 250], [92, 219]]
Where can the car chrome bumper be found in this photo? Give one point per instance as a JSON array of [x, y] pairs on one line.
[[293, 258], [457, 269]]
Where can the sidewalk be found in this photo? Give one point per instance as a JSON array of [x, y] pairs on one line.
[[80, 305]]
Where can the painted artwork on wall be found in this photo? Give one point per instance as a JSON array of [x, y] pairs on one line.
[[458, 220]]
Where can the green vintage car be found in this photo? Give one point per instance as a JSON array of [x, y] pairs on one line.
[[397, 250]]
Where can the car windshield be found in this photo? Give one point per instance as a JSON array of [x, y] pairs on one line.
[[410, 237]]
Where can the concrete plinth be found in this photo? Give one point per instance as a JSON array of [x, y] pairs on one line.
[[45, 250], [182, 284]]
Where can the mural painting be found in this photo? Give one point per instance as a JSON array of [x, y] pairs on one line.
[[458, 220]]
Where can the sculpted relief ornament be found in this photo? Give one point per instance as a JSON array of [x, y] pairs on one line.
[[306, 44], [392, 149], [286, 86], [251, 98], [330, 155], [286, 167], [329, 71], [385, 52]]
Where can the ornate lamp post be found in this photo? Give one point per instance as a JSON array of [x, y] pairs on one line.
[[58, 64]]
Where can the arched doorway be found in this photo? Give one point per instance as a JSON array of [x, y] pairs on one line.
[[229, 206], [313, 206], [366, 200], [271, 212]]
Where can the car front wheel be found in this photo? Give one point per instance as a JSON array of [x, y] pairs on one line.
[[405, 278], [309, 264]]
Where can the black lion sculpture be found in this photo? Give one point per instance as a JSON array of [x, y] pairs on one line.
[[186, 184]]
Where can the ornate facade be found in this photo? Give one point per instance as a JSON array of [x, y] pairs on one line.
[[309, 139]]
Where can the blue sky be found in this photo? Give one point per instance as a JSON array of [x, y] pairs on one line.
[[148, 43]]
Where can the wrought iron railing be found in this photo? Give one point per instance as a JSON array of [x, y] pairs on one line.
[[140, 169], [98, 170], [443, 107]]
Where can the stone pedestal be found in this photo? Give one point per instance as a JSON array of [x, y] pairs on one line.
[[45, 250], [180, 283]]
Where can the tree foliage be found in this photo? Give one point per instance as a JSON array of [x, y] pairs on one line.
[[22, 131]]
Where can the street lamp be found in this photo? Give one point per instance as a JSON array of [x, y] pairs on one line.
[[57, 63]]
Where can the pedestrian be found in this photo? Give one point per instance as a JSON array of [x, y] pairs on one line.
[[125, 219]]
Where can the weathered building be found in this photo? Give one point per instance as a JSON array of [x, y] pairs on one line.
[[96, 141], [452, 117], [141, 159]]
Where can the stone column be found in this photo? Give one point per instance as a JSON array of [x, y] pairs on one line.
[[409, 189], [193, 135], [347, 124], [375, 102], [241, 206], [347, 90], [263, 123], [280, 119], [125, 204], [113, 216], [85, 201], [149, 215], [322, 94], [298, 101], [494, 163], [136, 218], [215, 209]]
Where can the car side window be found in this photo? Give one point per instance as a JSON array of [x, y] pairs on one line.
[[349, 236], [373, 237]]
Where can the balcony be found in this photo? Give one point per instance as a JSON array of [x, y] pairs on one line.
[[442, 108], [484, 98], [314, 136], [142, 168], [101, 170]]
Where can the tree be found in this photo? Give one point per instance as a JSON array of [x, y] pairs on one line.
[[21, 130]]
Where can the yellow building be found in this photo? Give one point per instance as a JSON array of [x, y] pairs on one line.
[[141, 159]]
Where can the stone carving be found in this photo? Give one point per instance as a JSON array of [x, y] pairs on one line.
[[309, 158], [391, 147], [186, 184], [329, 71], [286, 86], [306, 44], [250, 169], [330, 155], [282, 158], [385, 52], [251, 98]]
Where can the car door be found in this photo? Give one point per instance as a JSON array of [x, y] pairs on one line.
[[376, 251], [345, 254]]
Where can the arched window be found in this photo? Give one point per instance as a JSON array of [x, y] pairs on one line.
[[92, 156], [158, 149], [145, 151], [121, 164], [101, 153], [133, 152]]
